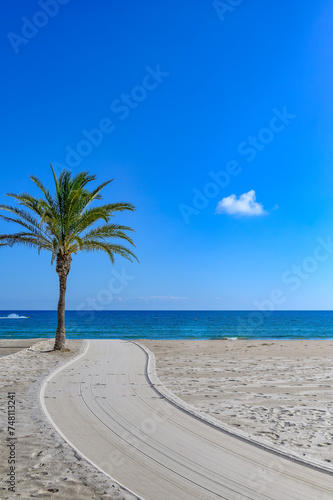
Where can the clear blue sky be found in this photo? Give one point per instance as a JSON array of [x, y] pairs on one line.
[[183, 91]]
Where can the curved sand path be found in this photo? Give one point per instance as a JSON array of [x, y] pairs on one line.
[[105, 407]]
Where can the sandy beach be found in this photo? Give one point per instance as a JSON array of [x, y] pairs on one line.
[[278, 392]]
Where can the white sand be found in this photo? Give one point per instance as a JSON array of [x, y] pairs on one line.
[[279, 392], [45, 462]]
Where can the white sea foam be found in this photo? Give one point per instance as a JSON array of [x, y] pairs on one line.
[[13, 316]]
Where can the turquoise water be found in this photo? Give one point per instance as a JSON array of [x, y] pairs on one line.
[[170, 324]]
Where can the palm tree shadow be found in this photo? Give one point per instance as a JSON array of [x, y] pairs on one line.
[[41, 352], [64, 349]]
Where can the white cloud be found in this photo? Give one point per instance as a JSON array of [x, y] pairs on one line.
[[244, 205]]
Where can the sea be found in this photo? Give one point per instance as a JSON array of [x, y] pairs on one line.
[[199, 325]]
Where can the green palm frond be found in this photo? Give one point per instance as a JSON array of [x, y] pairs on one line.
[[27, 201], [96, 192], [24, 218], [109, 231], [92, 215], [120, 207], [25, 239], [110, 249]]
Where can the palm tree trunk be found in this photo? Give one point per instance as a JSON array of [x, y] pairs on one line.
[[63, 268]]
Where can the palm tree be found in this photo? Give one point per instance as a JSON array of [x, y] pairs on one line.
[[65, 224]]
